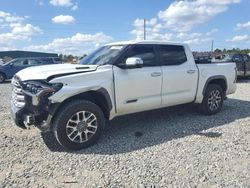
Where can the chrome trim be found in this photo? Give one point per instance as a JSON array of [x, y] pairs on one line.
[[17, 97]]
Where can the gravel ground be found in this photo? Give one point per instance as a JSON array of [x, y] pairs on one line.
[[174, 147]]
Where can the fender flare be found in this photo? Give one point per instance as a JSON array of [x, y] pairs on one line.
[[211, 79], [55, 106], [107, 96]]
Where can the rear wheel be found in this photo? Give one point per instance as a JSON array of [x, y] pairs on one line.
[[213, 100], [79, 125], [2, 77]]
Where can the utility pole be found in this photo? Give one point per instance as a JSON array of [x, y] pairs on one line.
[[144, 25], [212, 47]]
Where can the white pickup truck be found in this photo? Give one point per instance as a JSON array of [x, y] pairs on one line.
[[120, 78]]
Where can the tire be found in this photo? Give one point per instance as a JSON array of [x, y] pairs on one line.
[[2, 77], [78, 125], [213, 100]]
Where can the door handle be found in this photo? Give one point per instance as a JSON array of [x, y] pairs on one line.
[[155, 74], [191, 71]]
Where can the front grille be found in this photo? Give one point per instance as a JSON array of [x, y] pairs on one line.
[[17, 98]]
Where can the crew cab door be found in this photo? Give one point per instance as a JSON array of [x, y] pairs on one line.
[[180, 75], [138, 89]]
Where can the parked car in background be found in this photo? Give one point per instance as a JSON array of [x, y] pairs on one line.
[[242, 62], [203, 60], [8, 70], [51, 60]]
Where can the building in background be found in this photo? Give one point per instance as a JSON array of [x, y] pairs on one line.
[[8, 55]]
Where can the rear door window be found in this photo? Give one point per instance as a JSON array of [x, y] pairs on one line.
[[34, 62], [47, 60], [172, 54]]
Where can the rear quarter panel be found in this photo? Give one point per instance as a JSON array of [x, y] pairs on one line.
[[207, 71]]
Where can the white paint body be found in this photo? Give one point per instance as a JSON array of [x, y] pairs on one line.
[[169, 85]]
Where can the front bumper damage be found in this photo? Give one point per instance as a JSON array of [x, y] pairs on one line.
[[37, 116], [33, 110], [26, 118]]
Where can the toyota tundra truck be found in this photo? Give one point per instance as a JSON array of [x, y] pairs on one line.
[[74, 101]]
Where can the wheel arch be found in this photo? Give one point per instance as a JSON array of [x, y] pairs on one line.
[[100, 97], [5, 75], [219, 80]]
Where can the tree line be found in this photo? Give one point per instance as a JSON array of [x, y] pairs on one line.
[[234, 50], [71, 58]]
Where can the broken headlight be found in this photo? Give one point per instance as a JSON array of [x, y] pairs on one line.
[[38, 87], [40, 90]]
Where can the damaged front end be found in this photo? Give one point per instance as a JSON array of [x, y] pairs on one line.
[[30, 105]]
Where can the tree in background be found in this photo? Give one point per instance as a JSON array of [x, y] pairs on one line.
[[217, 51], [70, 58], [234, 50], [82, 57]]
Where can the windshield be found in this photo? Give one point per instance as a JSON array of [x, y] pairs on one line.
[[11, 61], [102, 55]]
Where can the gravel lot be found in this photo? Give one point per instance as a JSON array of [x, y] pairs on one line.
[[174, 147]]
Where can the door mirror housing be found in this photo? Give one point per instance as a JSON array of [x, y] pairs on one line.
[[134, 62]]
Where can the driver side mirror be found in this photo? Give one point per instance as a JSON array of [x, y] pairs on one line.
[[134, 62]]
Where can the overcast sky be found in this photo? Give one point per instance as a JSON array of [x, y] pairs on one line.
[[77, 27]]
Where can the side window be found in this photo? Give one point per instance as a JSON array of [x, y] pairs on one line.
[[20, 62], [145, 52], [16, 63], [47, 60], [237, 58], [172, 55], [33, 62]]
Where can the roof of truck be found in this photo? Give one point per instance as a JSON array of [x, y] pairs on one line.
[[145, 42]]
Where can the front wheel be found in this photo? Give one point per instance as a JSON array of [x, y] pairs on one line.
[[213, 100], [79, 125]]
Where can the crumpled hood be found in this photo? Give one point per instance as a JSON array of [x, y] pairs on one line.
[[49, 71]]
